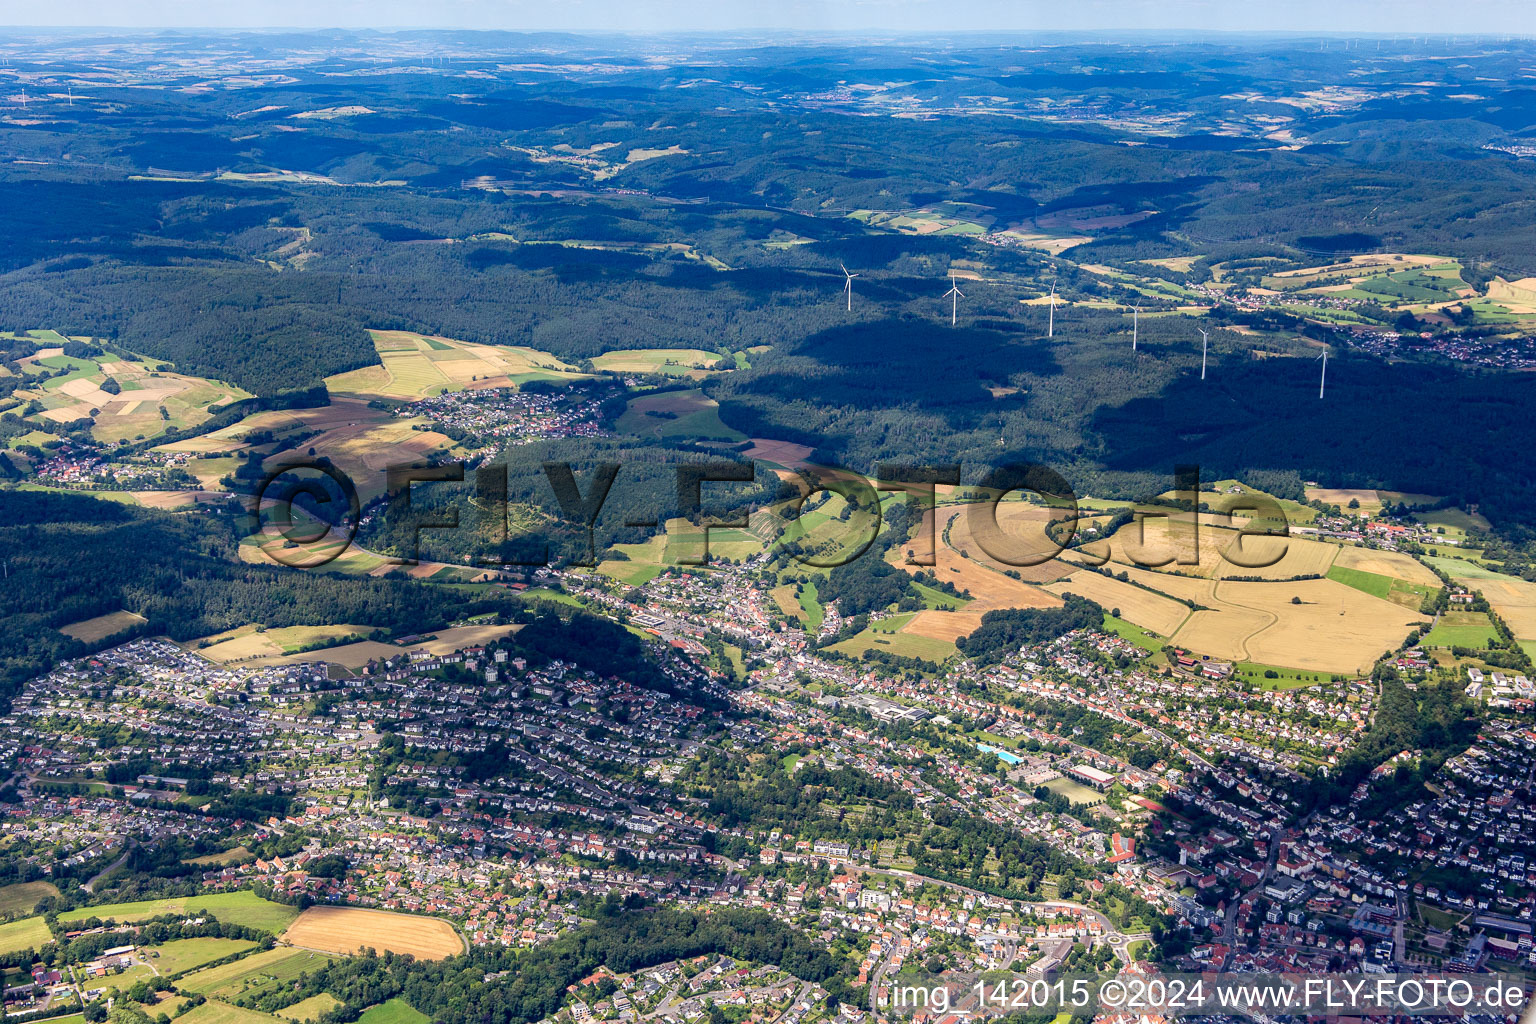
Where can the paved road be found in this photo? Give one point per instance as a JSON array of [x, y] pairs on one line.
[[1119, 941]]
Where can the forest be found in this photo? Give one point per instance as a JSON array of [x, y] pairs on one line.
[[69, 557], [531, 985]]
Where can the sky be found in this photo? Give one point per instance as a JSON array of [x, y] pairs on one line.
[[1408, 17]]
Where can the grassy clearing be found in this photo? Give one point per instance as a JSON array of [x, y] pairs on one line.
[[1461, 629], [233, 856], [27, 933], [214, 1012], [102, 626], [886, 635], [1145, 639], [23, 896], [311, 1009], [1282, 678], [688, 414], [259, 971], [393, 1011], [185, 954], [243, 907], [669, 361]]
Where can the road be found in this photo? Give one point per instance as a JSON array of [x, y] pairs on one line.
[[1119, 941]]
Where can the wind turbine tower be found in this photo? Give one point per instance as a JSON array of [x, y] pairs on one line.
[[1135, 318], [848, 286], [1322, 381], [955, 295], [1050, 325], [1205, 347]]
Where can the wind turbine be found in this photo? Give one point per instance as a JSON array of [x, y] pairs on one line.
[[955, 295], [1205, 347], [1135, 317], [1050, 326], [848, 286], [1322, 381]]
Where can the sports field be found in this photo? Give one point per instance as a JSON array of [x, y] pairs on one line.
[[349, 929]]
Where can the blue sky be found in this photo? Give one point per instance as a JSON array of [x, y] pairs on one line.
[[1343, 16]]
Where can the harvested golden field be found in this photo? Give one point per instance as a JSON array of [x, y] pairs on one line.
[[1370, 501], [1217, 553], [169, 500], [1156, 612], [784, 597], [102, 626], [1335, 628], [349, 929], [414, 366], [1515, 602], [989, 588], [1386, 563], [249, 643]]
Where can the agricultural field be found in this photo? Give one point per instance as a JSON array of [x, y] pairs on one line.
[[686, 414], [102, 626], [672, 362], [413, 366], [1369, 501], [1454, 523], [1334, 628], [26, 933], [244, 907], [1388, 588], [890, 635], [248, 642], [1515, 602], [362, 441], [1386, 563], [1150, 610], [950, 218], [349, 929], [149, 398], [393, 1011], [1212, 551], [23, 896], [258, 971], [180, 955], [311, 1009]]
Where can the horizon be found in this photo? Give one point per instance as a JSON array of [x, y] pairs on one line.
[[1500, 18]]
